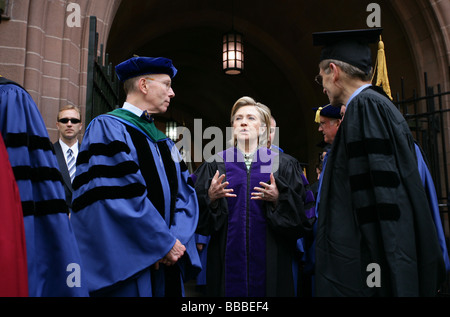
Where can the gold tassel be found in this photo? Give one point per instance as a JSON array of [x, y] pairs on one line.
[[318, 114], [382, 75]]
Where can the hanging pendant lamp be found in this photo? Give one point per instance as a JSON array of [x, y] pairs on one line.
[[233, 53]]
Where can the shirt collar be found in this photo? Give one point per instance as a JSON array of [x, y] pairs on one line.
[[128, 106], [356, 93], [65, 147]]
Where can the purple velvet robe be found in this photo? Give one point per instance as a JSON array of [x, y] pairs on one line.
[[253, 243]]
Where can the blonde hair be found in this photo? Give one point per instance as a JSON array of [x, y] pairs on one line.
[[264, 115], [69, 107], [131, 85]]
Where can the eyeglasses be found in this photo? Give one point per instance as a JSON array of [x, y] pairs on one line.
[[324, 123], [319, 80], [66, 120], [168, 84]]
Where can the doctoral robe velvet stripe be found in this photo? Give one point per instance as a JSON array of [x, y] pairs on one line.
[[382, 220], [245, 258], [127, 214], [51, 244]]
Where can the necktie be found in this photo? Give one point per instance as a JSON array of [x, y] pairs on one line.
[[147, 117], [71, 164]]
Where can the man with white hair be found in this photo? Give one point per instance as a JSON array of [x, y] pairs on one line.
[[373, 211], [134, 213]]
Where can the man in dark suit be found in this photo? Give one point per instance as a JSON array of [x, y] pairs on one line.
[[69, 126]]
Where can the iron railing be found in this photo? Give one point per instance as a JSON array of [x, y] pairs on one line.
[[428, 119], [102, 93]]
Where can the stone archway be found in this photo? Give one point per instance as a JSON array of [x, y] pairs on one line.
[[426, 25], [280, 49], [50, 59]]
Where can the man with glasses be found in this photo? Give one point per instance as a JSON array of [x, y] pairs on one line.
[[375, 231], [66, 148], [134, 213], [329, 119]]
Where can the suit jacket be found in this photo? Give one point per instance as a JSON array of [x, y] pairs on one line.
[[61, 157]]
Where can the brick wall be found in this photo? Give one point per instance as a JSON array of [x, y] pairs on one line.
[[47, 55]]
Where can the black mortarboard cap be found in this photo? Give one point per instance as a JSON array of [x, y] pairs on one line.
[[349, 46]]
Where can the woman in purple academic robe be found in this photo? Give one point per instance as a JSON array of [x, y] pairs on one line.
[[251, 202]]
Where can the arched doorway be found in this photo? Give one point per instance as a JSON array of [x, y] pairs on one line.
[[280, 61]]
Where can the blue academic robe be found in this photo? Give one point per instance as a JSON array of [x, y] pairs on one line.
[[203, 254], [54, 263], [126, 215], [428, 184]]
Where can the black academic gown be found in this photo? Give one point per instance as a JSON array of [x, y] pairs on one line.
[[252, 251], [373, 209]]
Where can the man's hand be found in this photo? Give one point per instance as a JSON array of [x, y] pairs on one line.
[[173, 256]]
